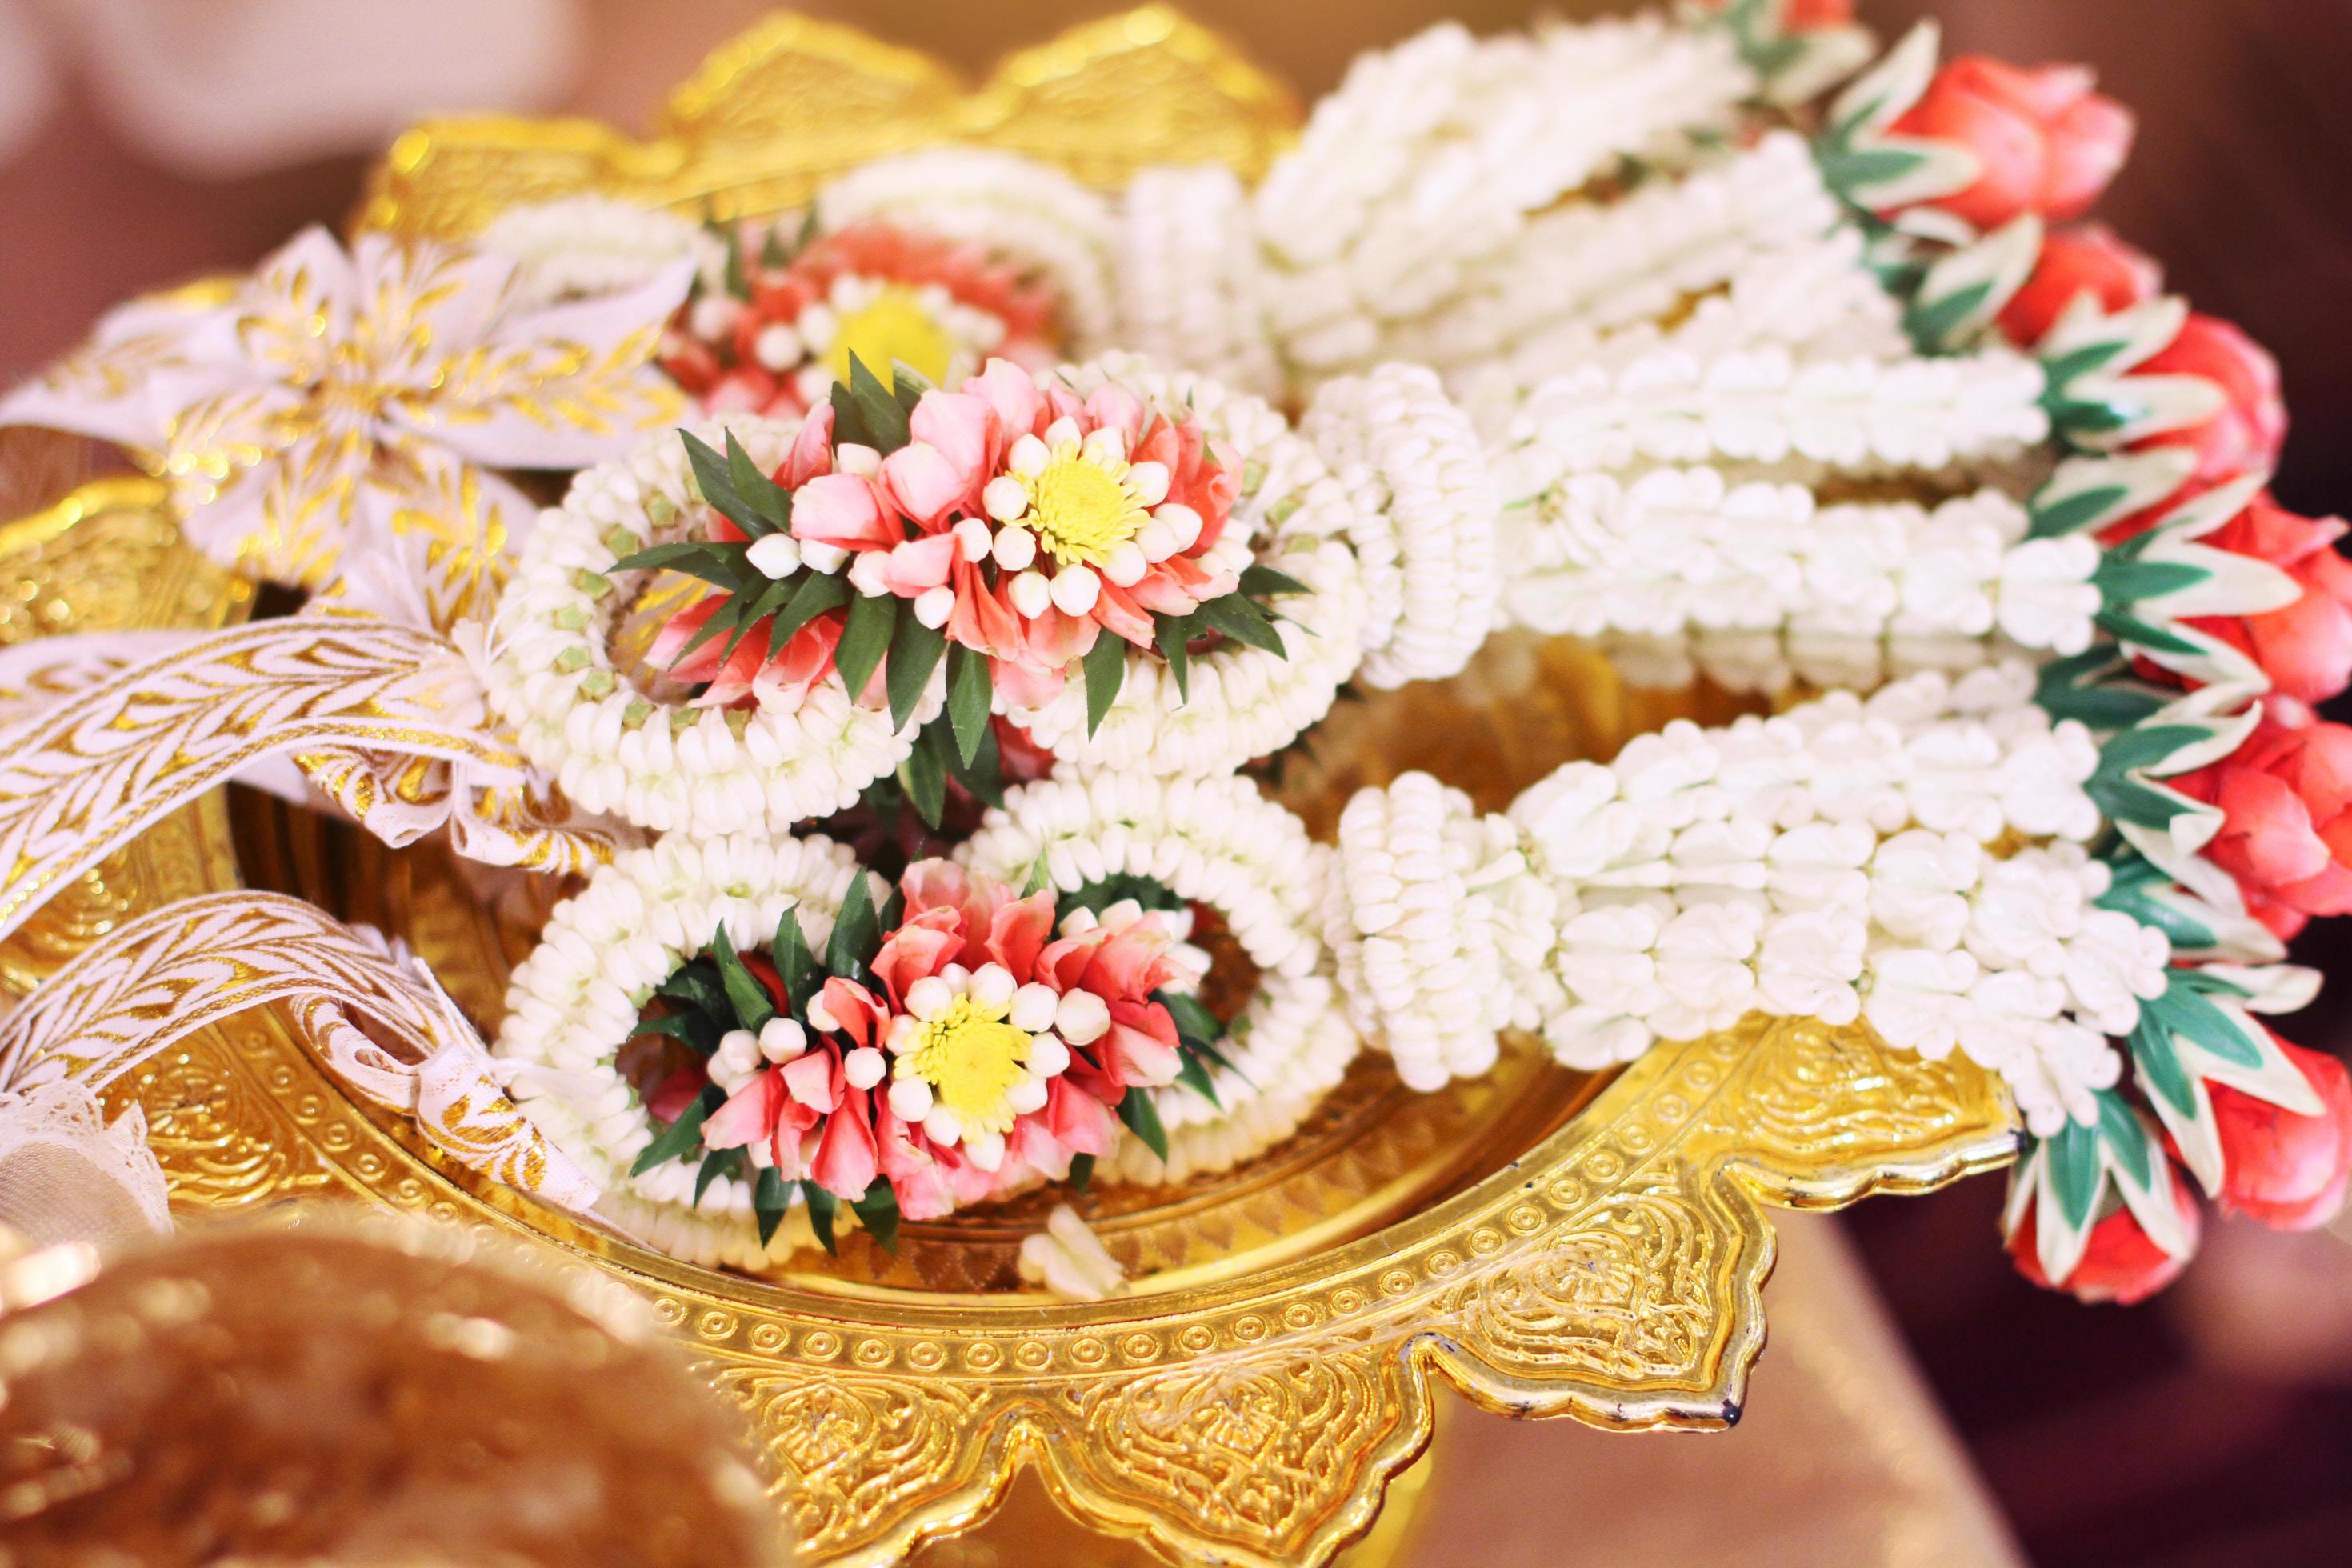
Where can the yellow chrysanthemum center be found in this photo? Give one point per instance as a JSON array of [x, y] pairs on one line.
[[894, 326], [1081, 508], [971, 1057]]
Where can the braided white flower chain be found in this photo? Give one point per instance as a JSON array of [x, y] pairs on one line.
[[1680, 551], [1828, 863], [1425, 519], [1009, 205], [1191, 282], [614, 745], [576, 1001], [1219, 843]]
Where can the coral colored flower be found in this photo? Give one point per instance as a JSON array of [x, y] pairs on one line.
[[876, 291], [987, 1049], [2121, 1264], [2247, 434], [2043, 142], [1805, 16], [2287, 1170], [2073, 262], [2304, 648], [2285, 795], [1025, 521]]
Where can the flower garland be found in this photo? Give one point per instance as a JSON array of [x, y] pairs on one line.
[[905, 1060], [939, 262], [1954, 175]]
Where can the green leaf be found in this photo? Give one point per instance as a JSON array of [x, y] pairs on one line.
[[682, 1137], [970, 687], [818, 593], [1242, 620], [795, 964], [1194, 1074], [1142, 1118], [1105, 670], [738, 286], [2056, 372], [907, 385], [769, 600], [1192, 1019], [696, 983], [2184, 1011], [2080, 511], [1932, 324], [722, 562], [821, 1207], [715, 478], [772, 257], [848, 423], [2160, 1072], [914, 650], [717, 1163], [727, 617], [878, 408], [1082, 1171], [862, 640], [1263, 581], [2129, 581], [768, 500], [694, 1027], [770, 1197], [2075, 1171], [894, 913], [854, 933], [924, 775], [2126, 1138], [1097, 896], [1040, 878], [1846, 170], [750, 999], [877, 1211], [984, 776], [1171, 634]]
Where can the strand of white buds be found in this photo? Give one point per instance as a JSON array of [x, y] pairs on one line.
[[585, 245], [625, 741], [1428, 157], [1425, 519], [1069, 1260], [1191, 282], [1215, 842], [576, 1000], [1766, 405], [1588, 269], [1770, 662], [1681, 550], [1237, 701], [1013, 208], [1836, 861]]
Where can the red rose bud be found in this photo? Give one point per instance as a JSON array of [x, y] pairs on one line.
[[2304, 648], [2286, 803], [2044, 141], [2073, 262], [2285, 1170], [2245, 436], [2120, 1264]]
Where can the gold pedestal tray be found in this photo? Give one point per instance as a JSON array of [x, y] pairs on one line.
[[1544, 1242]]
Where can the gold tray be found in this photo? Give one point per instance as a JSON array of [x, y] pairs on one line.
[[1544, 1242]]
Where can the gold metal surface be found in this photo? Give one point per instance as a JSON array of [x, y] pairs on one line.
[[1544, 1242], [793, 100]]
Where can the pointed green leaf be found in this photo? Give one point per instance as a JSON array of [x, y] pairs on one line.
[[738, 286], [914, 650], [2074, 1176], [752, 1005], [2160, 1072], [872, 618], [1264, 581], [1082, 1171], [969, 692], [723, 620], [715, 478], [717, 1163], [1170, 634], [679, 1140], [1931, 324], [769, 600], [818, 593], [772, 257], [795, 964], [2127, 1139], [1142, 1118], [696, 982], [924, 775], [854, 932], [1242, 620], [1105, 665], [983, 777], [1194, 1074], [722, 563], [2084, 509], [768, 500], [877, 1211], [1190, 1015], [821, 1207], [878, 408]]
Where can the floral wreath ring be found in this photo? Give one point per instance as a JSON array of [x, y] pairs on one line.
[[801, 752]]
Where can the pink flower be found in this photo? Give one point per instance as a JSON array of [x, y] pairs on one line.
[[2121, 1264], [2304, 648], [2043, 142], [2287, 1170], [1025, 521], [2285, 795], [2248, 433], [2073, 262]]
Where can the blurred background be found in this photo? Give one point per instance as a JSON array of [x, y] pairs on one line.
[[142, 142]]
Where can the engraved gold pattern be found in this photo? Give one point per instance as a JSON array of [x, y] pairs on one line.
[[1254, 1407]]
